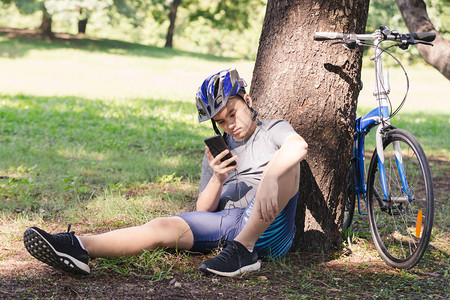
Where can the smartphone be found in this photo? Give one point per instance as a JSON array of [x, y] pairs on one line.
[[217, 145]]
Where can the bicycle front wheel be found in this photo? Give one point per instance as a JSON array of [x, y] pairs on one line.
[[401, 224]]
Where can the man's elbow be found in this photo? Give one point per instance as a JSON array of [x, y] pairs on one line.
[[305, 146], [301, 147]]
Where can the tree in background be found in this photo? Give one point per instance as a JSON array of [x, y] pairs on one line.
[[46, 25], [416, 18], [314, 87], [30, 7], [231, 15], [83, 8], [172, 18]]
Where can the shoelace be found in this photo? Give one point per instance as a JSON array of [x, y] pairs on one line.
[[228, 251], [66, 236]]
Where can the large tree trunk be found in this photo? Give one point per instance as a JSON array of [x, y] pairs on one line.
[[172, 18], [314, 87], [46, 25], [415, 15]]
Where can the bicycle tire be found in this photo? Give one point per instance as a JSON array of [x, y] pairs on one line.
[[399, 237], [349, 205]]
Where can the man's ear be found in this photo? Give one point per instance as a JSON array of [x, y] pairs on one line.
[[248, 100]]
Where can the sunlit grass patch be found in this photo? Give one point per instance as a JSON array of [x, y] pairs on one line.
[[106, 69]]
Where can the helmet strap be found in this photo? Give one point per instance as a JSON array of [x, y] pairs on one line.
[[255, 113], [217, 130], [215, 127]]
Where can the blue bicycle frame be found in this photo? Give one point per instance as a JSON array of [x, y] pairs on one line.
[[378, 116]]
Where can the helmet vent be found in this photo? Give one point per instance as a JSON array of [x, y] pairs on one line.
[[216, 86]]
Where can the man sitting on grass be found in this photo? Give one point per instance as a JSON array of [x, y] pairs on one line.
[[247, 207]]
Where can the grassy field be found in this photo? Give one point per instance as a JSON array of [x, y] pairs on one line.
[[103, 134]]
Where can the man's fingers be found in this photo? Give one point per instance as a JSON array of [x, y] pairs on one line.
[[269, 217], [259, 211], [208, 153], [274, 210], [270, 212], [218, 157], [222, 154], [266, 213], [227, 162]]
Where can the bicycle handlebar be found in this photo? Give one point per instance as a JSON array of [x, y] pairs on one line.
[[383, 33], [324, 36], [410, 38], [424, 36]]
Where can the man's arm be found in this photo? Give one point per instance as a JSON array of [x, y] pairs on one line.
[[291, 153]]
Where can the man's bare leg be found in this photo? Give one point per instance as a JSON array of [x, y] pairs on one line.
[[254, 228], [171, 232]]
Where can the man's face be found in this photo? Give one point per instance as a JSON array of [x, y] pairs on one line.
[[236, 119]]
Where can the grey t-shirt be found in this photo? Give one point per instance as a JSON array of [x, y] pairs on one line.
[[253, 154]]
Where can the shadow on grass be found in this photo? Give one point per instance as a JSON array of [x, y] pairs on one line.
[[19, 42]]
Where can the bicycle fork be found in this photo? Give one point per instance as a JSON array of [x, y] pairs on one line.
[[405, 196], [387, 202]]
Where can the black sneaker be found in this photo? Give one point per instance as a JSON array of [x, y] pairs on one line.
[[234, 260], [61, 251]]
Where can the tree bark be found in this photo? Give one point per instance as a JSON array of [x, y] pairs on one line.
[[172, 18], [415, 15], [46, 25], [314, 87]]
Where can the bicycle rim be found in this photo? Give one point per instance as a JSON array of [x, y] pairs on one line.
[[401, 227]]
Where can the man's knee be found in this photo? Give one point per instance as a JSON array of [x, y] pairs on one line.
[[169, 231]]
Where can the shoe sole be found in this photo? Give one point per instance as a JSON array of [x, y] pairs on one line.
[[42, 250], [250, 268]]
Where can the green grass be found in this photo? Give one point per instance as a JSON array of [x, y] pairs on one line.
[[103, 134], [152, 265], [431, 129], [63, 148]]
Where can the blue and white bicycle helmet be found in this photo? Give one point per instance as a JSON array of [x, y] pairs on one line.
[[215, 91]]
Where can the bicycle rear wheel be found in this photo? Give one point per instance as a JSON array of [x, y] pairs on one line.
[[401, 225]]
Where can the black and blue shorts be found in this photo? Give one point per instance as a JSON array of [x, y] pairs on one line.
[[212, 229]]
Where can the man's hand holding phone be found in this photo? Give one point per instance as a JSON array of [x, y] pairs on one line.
[[219, 157]]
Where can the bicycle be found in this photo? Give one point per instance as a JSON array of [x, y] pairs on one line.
[[399, 190]]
